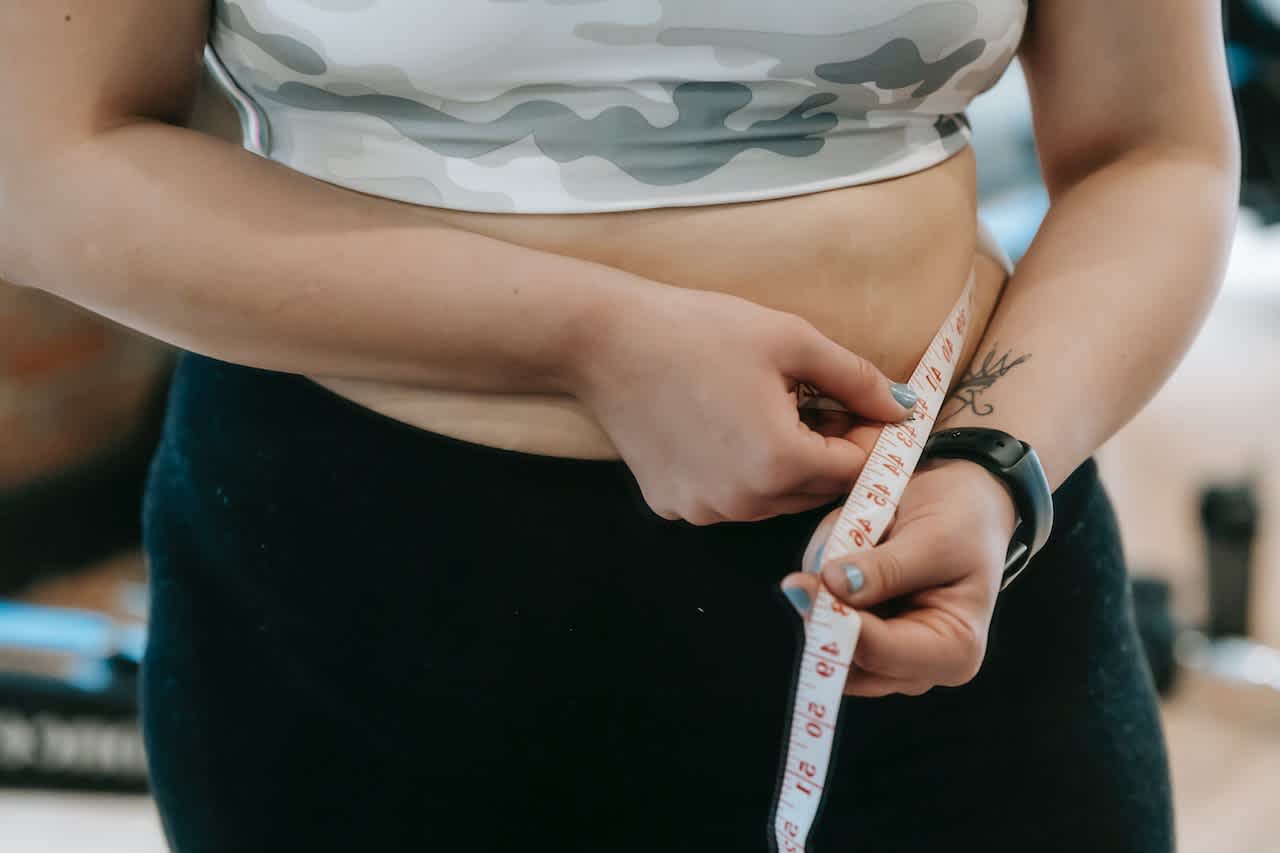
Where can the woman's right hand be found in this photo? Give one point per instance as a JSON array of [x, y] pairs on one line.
[[697, 391]]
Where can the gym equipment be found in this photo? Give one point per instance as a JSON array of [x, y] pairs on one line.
[[68, 700]]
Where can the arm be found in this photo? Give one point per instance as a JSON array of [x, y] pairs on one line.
[[1138, 145], [1137, 140], [107, 202], [110, 204]]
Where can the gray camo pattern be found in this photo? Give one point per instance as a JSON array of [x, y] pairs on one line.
[[574, 105]]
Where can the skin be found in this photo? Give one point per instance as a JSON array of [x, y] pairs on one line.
[[913, 239], [538, 327], [875, 268], [1138, 144], [115, 206]]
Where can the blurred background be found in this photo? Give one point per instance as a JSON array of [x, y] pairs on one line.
[[1195, 479]]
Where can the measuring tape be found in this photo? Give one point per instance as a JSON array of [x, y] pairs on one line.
[[831, 631]]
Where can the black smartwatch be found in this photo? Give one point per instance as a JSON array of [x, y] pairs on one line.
[[1015, 464]]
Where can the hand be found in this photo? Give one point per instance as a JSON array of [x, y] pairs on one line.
[[697, 392], [929, 588]]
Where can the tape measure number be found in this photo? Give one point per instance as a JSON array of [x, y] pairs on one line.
[[831, 631]]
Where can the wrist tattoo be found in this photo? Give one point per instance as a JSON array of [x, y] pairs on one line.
[[976, 382]]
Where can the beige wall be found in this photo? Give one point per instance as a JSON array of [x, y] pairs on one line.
[[1216, 419]]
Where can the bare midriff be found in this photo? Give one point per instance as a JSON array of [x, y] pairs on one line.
[[874, 267]]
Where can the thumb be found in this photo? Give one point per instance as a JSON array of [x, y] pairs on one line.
[[846, 377], [910, 560]]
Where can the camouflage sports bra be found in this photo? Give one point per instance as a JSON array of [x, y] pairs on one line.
[[569, 106]]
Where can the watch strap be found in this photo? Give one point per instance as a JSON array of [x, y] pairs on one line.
[[1015, 464]]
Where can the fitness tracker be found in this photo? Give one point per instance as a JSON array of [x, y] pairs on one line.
[[1015, 464]]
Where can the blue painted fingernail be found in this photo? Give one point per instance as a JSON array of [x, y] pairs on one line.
[[799, 599], [906, 397], [817, 558], [853, 574]]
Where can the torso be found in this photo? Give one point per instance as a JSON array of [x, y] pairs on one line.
[[874, 267], [874, 259]]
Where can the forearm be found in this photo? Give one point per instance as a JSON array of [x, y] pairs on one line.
[[1102, 307], [209, 247]]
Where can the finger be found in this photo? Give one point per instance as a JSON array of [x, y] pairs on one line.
[[791, 504], [833, 501], [820, 463], [825, 422], [865, 434], [833, 450], [835, 488], [872, 686], [796, 503], [800, 589], [862, 437], [918, 556], [854, 428], [845, 377], [929, 644]]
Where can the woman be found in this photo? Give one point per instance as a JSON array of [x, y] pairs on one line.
[[469, 521]]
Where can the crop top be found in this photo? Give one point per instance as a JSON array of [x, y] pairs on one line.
[[576, 106]]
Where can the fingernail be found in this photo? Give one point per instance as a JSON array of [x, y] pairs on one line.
[[817, 558], [906, 397], [853, 575], [799, 599]]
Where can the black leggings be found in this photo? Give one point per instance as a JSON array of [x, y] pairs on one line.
[[366, 636]]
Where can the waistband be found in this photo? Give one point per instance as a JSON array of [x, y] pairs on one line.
[[244, 407]]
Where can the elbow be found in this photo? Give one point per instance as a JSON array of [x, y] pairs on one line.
[[15, 249], [27, 185], [34, 219], [44, 184], [21, 154], [1231, 165], [1221, 163], [1218, 153], [1207, 151], [21, 262]]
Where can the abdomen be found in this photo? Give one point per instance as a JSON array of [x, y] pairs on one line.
[[875, 267]]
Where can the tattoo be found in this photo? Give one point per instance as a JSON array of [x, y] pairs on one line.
[[966, 395], [978, 380]]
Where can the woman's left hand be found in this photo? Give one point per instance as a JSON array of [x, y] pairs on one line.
[[927, 591]]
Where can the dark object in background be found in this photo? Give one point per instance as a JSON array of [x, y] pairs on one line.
[[1253, 37], [1157, 630], [1229, 516], [1230, 519], [1253, 24], [54, 734], [69, 701]]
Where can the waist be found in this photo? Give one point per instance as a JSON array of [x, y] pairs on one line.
[[874, 267]]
